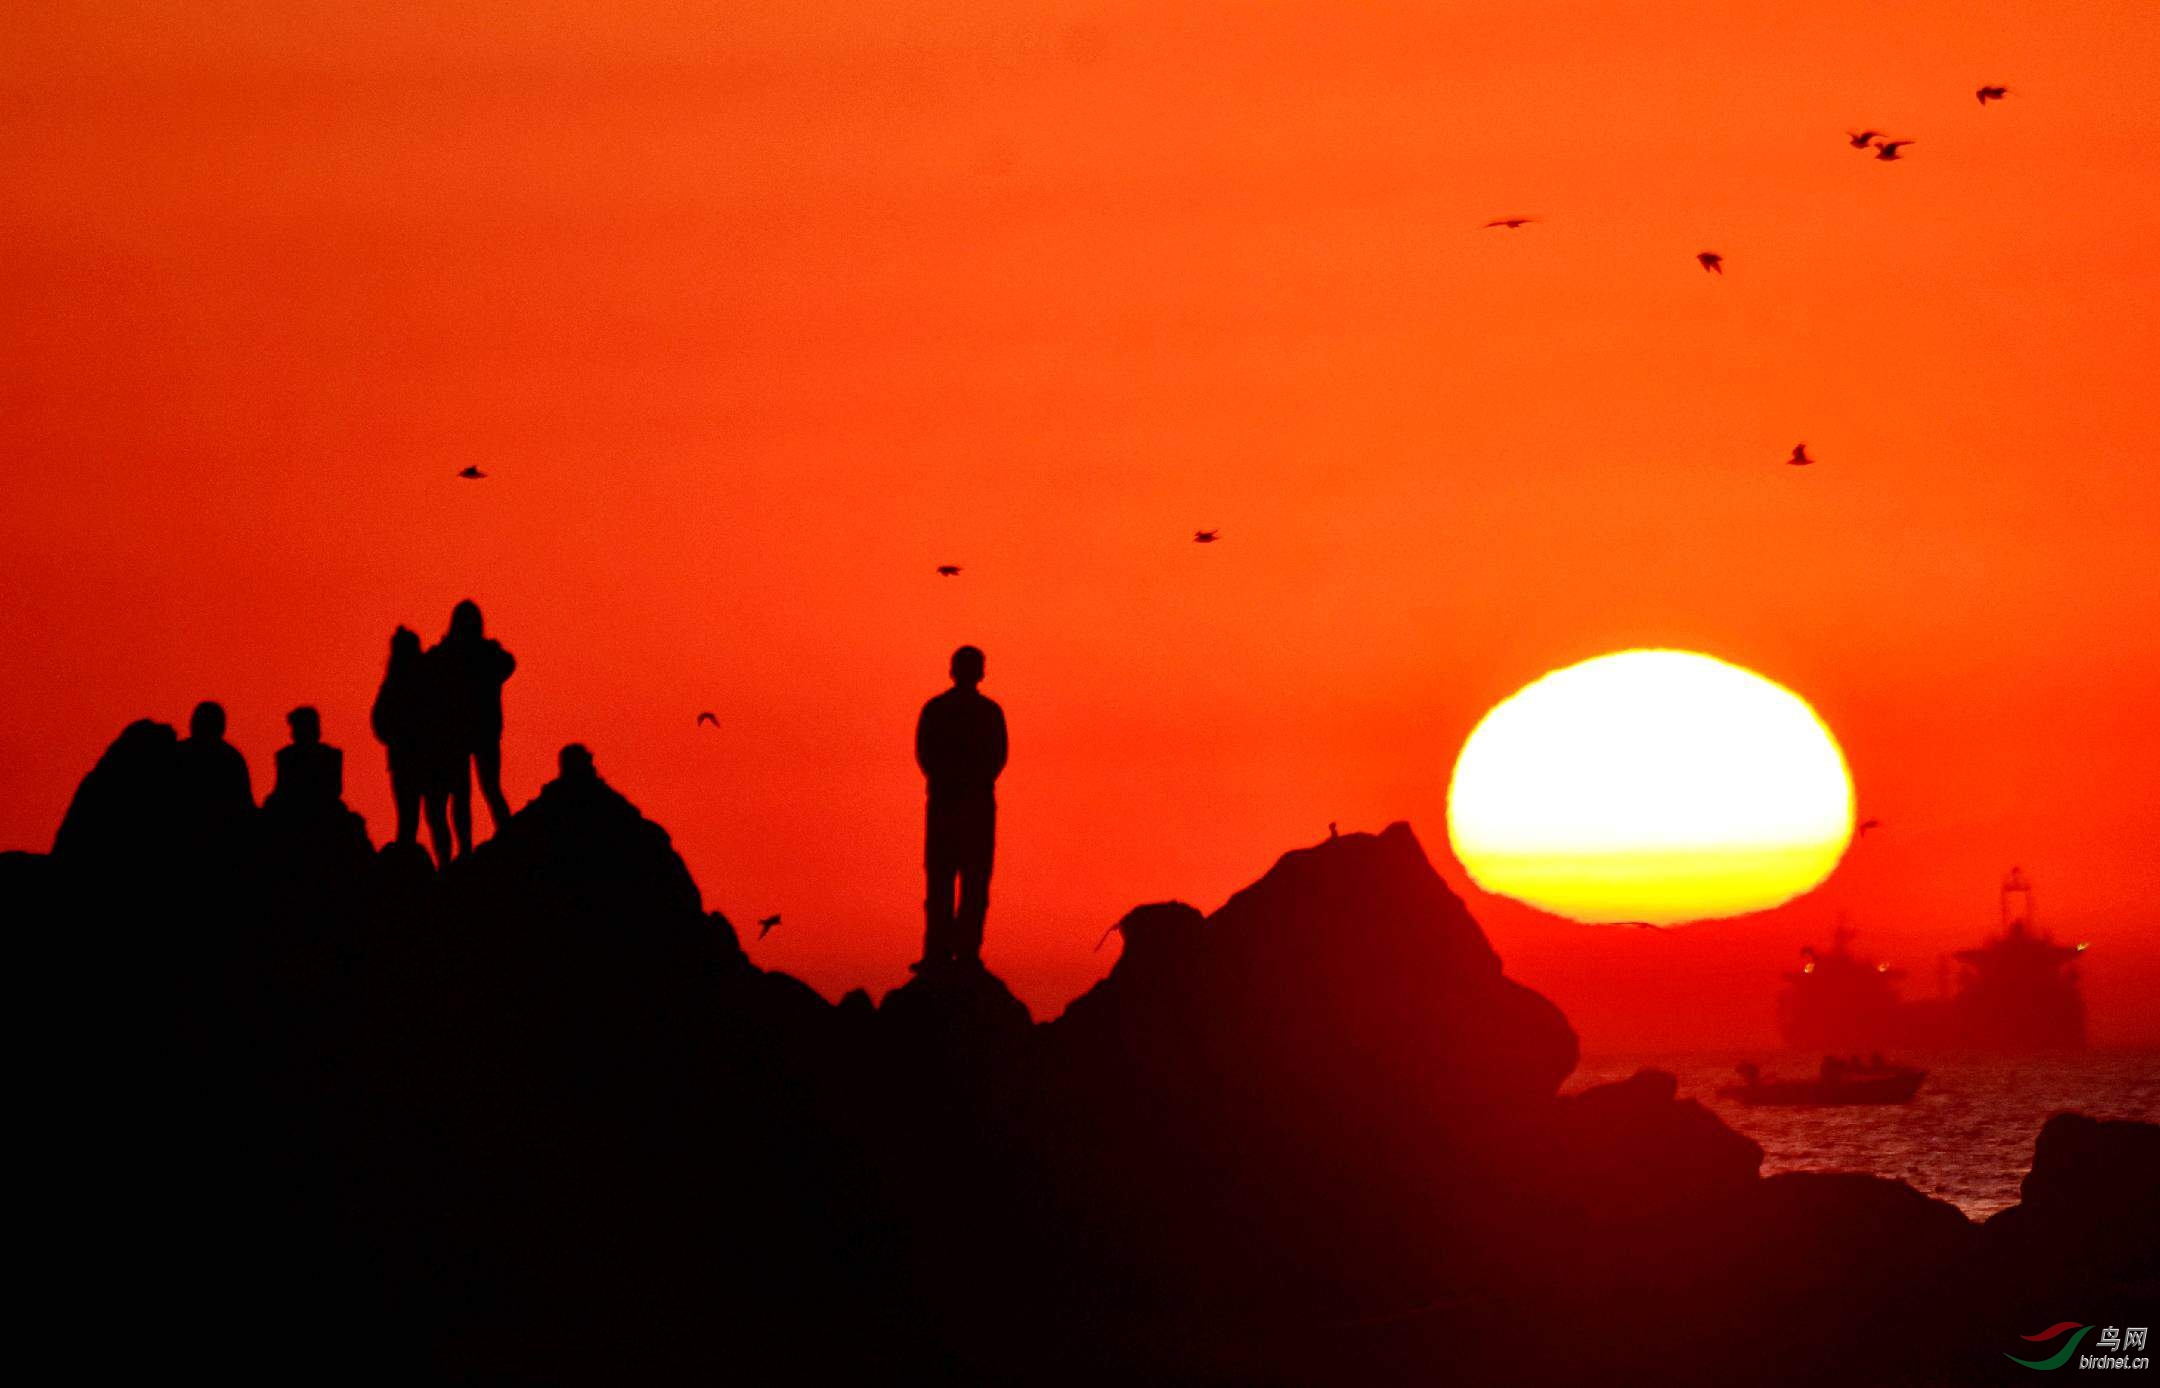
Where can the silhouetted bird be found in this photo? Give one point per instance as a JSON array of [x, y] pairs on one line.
[[1861, 139], [1331, 830], [704, 718], [948, 570], [1888, 149], [1205, 537], [1987, 94], [1511, 223], [765, 925], [1711, 261], [1799, 456], [961, 746], [1865, 825], [472, 474]]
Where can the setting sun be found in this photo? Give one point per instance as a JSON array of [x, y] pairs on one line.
[[1657, 786]]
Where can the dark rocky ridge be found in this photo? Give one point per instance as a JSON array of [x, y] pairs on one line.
[[298, 1110]]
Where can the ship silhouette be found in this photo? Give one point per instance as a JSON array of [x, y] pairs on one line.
[[2016, 991]]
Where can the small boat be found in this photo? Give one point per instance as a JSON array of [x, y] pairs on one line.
[[1839, 1085]]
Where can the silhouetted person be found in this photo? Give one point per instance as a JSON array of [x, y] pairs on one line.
[[313, 837], [214, 780], [413, 727], [960, 746], [310, 773], [470, 669], [579, 791], [124, 810], [575, 767]]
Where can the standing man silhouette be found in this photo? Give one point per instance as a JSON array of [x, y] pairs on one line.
[[960, 746]]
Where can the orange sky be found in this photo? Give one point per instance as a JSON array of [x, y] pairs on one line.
[[755, 314]]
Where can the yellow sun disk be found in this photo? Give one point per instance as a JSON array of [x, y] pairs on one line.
[[1650, 785]]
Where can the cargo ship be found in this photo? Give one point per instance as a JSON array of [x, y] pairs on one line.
[[2017, 991]]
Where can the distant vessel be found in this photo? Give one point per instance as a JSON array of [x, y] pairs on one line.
[[2019, 991], [1840, 1084], [1840, 1001], [2016, 992]]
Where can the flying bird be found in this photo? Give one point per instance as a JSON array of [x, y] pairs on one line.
[[948, 570], [1711, 261], [1205, 537], [472, 474], [1987, 94], [1865, 825], [765, 925], [1511, 223], [1799, 456], [1888, 149], [1861, 139], [704, 718]]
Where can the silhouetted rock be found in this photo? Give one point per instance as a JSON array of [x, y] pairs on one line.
[[580, 857], [2091, 1201], [1143, 1010], [1826, 1271], [956, 1006], [540, 1118], [1634, 1151], [1351, 964]]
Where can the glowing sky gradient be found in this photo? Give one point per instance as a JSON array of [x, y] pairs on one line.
[[757, 313]]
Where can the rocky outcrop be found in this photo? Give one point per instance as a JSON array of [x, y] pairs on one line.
[[539, 1118], [2084, 1240], [2091, 1201], [1348, 973], [956, 1010], [1635, 1153]]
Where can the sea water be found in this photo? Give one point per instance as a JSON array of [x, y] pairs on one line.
[[1966, 1138]]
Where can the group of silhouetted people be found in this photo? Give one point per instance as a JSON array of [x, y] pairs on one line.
[[195, 795], [216, 785], [439, 714]]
